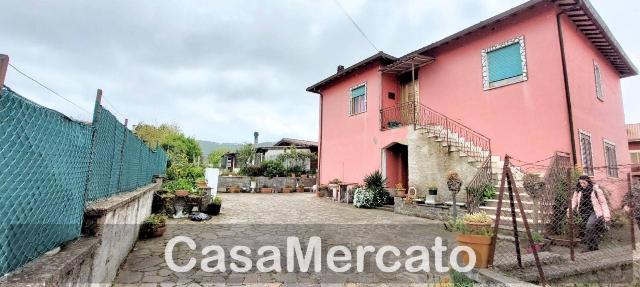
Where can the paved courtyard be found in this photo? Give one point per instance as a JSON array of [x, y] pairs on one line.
[[254, 219]]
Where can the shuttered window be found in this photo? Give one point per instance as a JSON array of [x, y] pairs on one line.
[[586, 153], [610, 159], [598, 79], [505, 63], [635, 157], [358, 100]]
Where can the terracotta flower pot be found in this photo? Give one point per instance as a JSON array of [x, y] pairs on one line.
[[286, 189], [479, 244], [159, 232], [478, 226], [401, 192], [234, 189], [182, 193], [300, 189], [201, 184], [266, 190]]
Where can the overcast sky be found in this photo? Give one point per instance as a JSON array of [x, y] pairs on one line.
[[223, 69]]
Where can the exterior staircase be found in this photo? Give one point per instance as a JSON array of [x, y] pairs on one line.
[[465, 143]]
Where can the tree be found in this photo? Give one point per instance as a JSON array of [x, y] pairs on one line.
[[214, 157], [178, 146], [155, 136], [245, 155]]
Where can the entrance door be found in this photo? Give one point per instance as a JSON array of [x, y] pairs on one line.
[[396, 165], [409, 92]]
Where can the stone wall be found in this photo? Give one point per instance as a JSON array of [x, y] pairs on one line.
[[110, 230], [277, 182], [429, 163], [435, 212]]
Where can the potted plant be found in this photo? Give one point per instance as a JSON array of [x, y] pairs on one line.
[[266, 189], [214, 207], [400, 190], [475, 232], [180, 187], [454, 183], [287, 188], [234, 188], [201, 182], [539, 243], [300, 188], [154, 225], [322, 190]]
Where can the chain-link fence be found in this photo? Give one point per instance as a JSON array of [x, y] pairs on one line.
[[573, 221], [51, 165]]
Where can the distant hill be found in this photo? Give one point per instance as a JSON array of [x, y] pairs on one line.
[[209, 146]]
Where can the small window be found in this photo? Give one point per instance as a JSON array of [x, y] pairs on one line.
[[358, 100], [391, 96], [610, 159], [586, 153], [598, 80], [635, 157], [504, 64]]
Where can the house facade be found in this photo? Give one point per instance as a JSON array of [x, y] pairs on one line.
[[272, 152], [540, 78], [633, 135]]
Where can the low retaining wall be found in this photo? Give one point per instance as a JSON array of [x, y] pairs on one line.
[[277, 182], [436, 212], [111, 228]]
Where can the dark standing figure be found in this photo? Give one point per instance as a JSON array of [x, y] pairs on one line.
[[591, 205]]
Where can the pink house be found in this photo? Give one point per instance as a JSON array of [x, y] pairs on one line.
[[540, 78]]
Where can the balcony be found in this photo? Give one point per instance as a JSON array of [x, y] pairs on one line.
[[397, 116]]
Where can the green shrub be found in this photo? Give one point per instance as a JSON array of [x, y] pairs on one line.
[[273, 168], [296, 169], [375, 183], [217, 200], [185, 171], [252, 170], [364, 198], [489, 192], [179, 184]]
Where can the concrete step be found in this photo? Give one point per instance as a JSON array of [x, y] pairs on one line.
[[526, 204]]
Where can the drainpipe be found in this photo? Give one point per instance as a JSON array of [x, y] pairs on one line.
[[319, 145], [566, 84]]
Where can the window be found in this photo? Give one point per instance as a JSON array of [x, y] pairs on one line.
[[610, 159], [504, 64], [598, 79], [358, 100], [585, 152], [635, 157]]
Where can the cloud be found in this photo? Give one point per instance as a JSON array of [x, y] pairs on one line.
[[221, 69]]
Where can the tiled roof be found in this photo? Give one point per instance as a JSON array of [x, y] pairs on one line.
[[296, 142]]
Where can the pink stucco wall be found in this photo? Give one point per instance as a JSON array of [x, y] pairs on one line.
[[352, 145], [604, 120], [527, 120]]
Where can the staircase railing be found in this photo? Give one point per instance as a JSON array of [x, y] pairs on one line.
[[397, 116], [456, 135], [476, 187]]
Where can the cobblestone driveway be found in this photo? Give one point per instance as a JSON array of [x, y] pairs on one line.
[[241, 219]]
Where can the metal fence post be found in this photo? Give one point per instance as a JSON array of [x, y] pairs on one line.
[[4, 64]]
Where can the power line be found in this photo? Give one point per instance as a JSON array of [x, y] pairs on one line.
[[356, 25], [113, 107], [49, 89]]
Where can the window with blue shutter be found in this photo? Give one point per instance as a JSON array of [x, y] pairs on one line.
[[358, 100], [504, 64]]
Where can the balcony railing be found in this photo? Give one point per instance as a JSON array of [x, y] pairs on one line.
[[397, 116]]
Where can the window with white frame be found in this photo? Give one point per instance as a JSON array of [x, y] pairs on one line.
[[586, 153], [598, 81], [610, 159], [504, 64], [358, 99]]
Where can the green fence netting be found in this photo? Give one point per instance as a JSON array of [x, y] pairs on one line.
[[51, 166]]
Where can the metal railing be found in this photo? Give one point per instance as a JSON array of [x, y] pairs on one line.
[[476, 187], [456, 135], [397, 116]]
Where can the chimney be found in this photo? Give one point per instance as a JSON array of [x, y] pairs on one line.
[[340, 68], [255, 139]]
